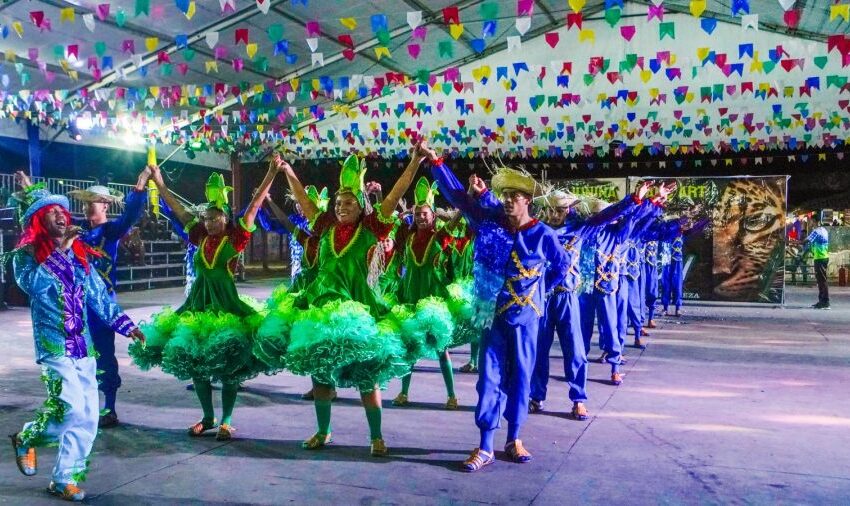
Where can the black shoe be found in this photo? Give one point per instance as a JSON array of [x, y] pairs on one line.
[[535, 406], [825, 306], [108, 420]]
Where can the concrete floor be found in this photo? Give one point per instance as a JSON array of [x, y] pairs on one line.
[[729, 404]]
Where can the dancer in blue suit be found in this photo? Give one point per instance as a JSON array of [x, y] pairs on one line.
[[102, 235], [562, 306], [600, 259], [516, 259]]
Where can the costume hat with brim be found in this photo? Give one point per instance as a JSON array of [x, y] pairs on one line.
[[97, 193], [41, 199], [507, 179]]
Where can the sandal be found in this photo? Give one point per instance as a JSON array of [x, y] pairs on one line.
[[451, 403], [378, 448], [225, 432], [579, 412], [468, 367], [477, 460], [317, 441], [401, 400], [535, 406], [517, 452], [616, 379], [199, 428]]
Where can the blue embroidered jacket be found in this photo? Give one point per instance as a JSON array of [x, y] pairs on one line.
[[513, 268], [60, 294], [632, 259], [104, 238], [574, 231], [607, 249]]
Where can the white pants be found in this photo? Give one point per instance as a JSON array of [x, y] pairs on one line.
[[76, 431]]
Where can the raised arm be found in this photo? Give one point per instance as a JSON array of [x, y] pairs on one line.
[[180, 212], [275, 165], [308, 207], [417, 154], [279, 215], [134, 206]]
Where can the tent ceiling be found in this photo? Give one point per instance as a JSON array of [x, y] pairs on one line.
[[167, 24]]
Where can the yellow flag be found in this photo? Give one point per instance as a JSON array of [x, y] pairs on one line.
[[211, 66], [251, 49], [697, 8], [11, 56], [154, 91], [702, 53], [842, 10], [382, 51], [645, 75], [73, 75], [66, 14], [190, 12], [586, 34], [456, 30], [19, 28], [577, 5], [151, 43], [350, 23]]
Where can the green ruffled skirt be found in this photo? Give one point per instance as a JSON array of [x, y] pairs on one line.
[[206, 344]]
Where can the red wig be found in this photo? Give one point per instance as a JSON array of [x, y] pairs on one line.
[[35, 234]]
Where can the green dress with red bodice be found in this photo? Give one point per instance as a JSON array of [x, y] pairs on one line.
[[338, 329], [211, 334], [440, 309]]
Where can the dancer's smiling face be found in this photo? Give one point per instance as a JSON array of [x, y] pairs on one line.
[[347, 208], [215, 221], [423, 216], [56, 221]]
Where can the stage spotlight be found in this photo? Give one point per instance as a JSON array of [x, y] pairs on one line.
[[73, 131]]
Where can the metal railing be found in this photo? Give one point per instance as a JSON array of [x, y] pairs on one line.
[[62, 186]]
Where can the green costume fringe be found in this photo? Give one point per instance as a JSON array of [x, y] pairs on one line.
[[200, 345]]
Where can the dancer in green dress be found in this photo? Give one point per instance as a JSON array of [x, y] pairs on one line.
[[210, 336], [425, 252], [341, 332]]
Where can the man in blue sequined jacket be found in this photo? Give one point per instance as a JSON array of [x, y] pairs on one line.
[[53, 266], [102, 235]]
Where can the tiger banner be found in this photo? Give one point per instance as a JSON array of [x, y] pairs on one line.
[[740, 255]]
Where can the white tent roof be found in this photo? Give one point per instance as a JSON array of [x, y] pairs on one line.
[[233, 75]]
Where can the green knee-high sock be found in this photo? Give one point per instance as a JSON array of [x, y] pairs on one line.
[[323, 415], [448, 374], [473, 353], [405, 383], [373, 416], [203, 389], [228, 401]]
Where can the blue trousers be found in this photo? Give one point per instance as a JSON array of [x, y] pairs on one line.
[[650, 282], [104, 342], [601, 306], [562, 315], [671, 284], [634, 306], [623, 309], [505, 364]]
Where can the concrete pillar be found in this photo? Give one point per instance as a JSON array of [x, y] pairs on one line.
[[34, 149]]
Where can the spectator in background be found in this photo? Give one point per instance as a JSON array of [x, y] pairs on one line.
[[818, 244]]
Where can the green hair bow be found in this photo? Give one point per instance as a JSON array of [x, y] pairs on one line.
[[424, 193], [351, 178], [216, 193]]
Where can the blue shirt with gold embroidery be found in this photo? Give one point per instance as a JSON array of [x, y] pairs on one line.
[[104, 238], [513, 267]]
